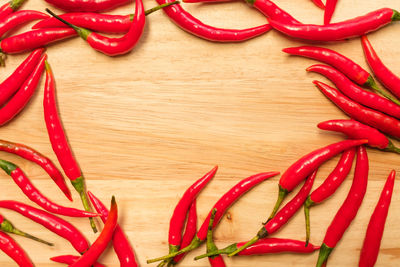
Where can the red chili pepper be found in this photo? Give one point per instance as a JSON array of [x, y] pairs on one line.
[[18, 18], [215, 260], [357, 93], [14, 251], [36, 196], [38, 158], [70, 259], [87, 6], [121, 244], [283, 216], [17, 103], [319, 3], [94, 252], [344, 64], [266, 246], [329, 186], [222, 205], [51, 222], [10, 7], [60, 143], [387, 77], [329, 10], [349, 208], [272, 11], [373, 236], [105, 23], [360, 113], [10, 85], [338, 31]]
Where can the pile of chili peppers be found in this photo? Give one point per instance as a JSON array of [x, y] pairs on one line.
[[374, 113]]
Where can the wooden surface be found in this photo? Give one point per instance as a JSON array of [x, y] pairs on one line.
[[147, 125]]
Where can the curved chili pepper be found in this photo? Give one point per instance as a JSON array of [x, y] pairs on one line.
[[36, 196], [14, 251], [8, 227], [319, 3], [303, 167], [338, 31], [10, 85], [360, 113], [59, 141], [215, 260], [385, 75], [120, 241], [51, 222], [221, 205], [112, 46], [69, 259], [97, 22], [38, 158], [266, 246], [376, 225], [283, 216], [17, 103], [94, 252], [329, 10], [10, 7], [18, 18], [87, 6], [355, 92], [344, 64], [329, 186], [349, 208]]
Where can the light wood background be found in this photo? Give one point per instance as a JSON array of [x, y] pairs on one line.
[[145, 126]]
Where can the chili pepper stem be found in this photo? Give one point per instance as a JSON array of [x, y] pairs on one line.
[[6, 226], [281, 196], [172, 249], [153, 9], [229, 249], [372, 84], [15, 4], [324, 252], [2, 59], [193, 245], [396, 15], [307, 206], [82, 32], [211, 247], [392, 148], [79, 186], [260, 235]]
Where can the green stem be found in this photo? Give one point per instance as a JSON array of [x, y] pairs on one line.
[[7, 226], [324, 252], [260, 235], [15, 4], [228, 250], [281, 196], [151, 10], [372, 84], [396, 15], [307, 206], [7, 166], [210, 242], [172, 249], [392, 148]]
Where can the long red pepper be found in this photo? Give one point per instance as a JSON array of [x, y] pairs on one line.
[[221, 205], [319, 3], [283, 216], [373, 236], [120, 241], [94, 252], [10, 85], [38, 158], [87, 5], [338, 31], [18, 18], [344, 64], [266, 246], [16, 104], [10, 7], [329, 10], [70, 259], [51, 222], [385, 75], [329, 186], [113, 46], [303, 167], [349, 208], [215, 260], [357, 93], [36, 196], [60, 143], [360, 113], [14, 251]]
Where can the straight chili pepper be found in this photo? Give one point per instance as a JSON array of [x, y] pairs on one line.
[[266, 246], [344, 64], [329, 10], [87, 6], [385, 75], [7, 227], [215, 260], [357, 93], [120, 241], [60, 143], [18, 18], [14, 251], [329, 186], [36, 196], [303, 167], [222, 205], [338, 31], [31, 154], [319, 3], [70, 259], [376, 225], [17, 102], [105, 23], [51, 222], [283, 216], [94, 252], [360, 113], [349, 208], [10, 7]]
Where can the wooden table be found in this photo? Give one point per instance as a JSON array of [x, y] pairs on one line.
[[146, 125]]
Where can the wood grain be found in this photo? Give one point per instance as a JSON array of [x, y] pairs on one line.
[[146, 125]]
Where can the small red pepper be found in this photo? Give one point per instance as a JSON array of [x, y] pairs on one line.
[[14, 251], [215, 260], [349, 208], [10, 7], [87, 5], [329, 10], [319, 3], [70, 259], [373, 236], [18, 18]]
